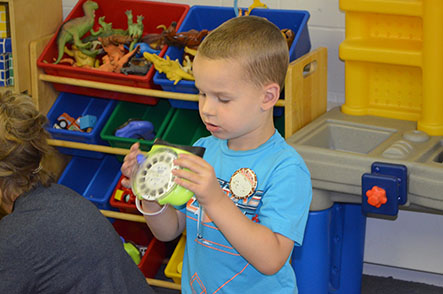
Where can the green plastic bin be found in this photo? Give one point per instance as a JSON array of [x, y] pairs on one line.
[[159, 115], [185, 127]]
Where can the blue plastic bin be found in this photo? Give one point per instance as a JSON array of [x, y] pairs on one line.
[[76, 106], [93, 178], [210, 17]]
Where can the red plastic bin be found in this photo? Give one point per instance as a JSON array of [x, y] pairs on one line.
[[140, 234], [121, 205], [155, 14]]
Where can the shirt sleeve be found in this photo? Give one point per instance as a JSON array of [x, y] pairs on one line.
[[286, 201]]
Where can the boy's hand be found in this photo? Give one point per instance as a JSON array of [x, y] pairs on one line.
[[128, 164], [200, 178]]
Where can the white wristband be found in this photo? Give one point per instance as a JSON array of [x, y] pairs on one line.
[[139, 208]]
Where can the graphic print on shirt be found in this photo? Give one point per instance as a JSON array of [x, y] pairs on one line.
[[248, 205]]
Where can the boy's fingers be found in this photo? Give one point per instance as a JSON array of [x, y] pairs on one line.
[[184, 183], [186, 174], [126, 183], [135, 146], [192, 162]]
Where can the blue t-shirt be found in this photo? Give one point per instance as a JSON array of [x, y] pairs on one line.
[[280, 202]]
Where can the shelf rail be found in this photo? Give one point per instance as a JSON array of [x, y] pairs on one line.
[[125, 89]]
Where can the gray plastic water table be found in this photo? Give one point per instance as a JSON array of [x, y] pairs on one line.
[[339, 149]]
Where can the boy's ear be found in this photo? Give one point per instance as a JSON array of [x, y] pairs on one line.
[[271, 95]]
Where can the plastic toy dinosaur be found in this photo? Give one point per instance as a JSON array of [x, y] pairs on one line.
[[169, 36], [116, 57], [135, 30], [191, 38], [79, 59], [105, 30], [74, 29], [172, 68], [255, 4]]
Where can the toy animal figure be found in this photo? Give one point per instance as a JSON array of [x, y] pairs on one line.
[[170, 37], [135, 30], [116, 57], [289, 36], [255, 4], [115, 40], [155, 40], [143, 47], [191, 38], [172, 68], [105, 30], [79, 58], [74, 29], [136, 66]]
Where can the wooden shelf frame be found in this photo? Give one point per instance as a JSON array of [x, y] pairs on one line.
[[305, 97], [29, 20], [305, 88]]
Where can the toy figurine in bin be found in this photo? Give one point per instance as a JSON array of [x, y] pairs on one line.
[[132, 249], [152, 178], [137, 129]]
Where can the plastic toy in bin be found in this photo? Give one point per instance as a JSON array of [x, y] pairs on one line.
[[152, 178], [124, 195], [110, 17], [66, 122], [137, 129], [133, 250], [173, 70], [83, 123]]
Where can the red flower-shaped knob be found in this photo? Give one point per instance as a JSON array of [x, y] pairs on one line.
[[376, 196]]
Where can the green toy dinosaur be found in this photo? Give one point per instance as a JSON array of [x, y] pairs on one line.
[[104, 31], [74, 29], [135, 30]]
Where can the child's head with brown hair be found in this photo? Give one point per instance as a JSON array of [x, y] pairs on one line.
[[23, 146], [240, 70], [256, 43]]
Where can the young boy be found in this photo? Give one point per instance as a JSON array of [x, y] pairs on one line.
[[252, 190]]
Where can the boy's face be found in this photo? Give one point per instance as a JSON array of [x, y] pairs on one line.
[[229, 104]]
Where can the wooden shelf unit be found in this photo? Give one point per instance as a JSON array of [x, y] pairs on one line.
[[305, 97], [29, 20], [305, 88]]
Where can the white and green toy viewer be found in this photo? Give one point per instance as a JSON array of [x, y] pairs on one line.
[[152, 178]]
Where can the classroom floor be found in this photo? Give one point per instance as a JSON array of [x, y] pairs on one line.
[[370, 285]]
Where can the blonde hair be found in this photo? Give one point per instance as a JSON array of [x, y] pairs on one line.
[[23, 146], [253, 41]]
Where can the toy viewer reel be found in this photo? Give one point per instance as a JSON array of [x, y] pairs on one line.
[[152, 178]]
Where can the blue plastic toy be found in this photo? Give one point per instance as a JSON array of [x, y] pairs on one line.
[[136, 129], [87, 121]]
